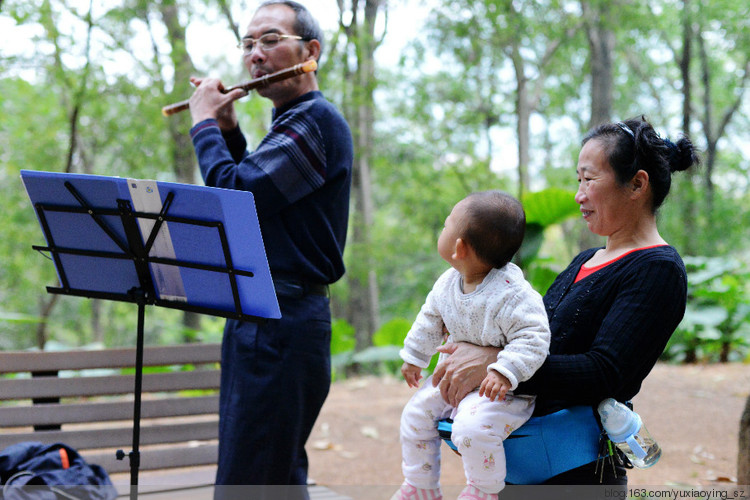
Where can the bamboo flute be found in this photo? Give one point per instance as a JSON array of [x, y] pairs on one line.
[[263, 81]]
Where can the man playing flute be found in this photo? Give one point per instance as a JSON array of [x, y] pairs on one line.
[[276, 375]]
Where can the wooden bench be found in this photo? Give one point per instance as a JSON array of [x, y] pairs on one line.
[[85, 400]]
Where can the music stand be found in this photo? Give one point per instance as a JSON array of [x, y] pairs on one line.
[[179, 246]]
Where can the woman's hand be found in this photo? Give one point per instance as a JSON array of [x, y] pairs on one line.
[[463, 371]]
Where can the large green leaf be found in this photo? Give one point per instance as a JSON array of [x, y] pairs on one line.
[[392, 333], [549, 206], [543, 209], [377, 354]]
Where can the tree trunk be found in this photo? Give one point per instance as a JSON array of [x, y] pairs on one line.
[[75, 101], [183, 161], [361, 275], [687, 54], [45, 308], [528, 94], [601, 45], [182, 154], [743, 455], [523, 128], [97, 332], [714, 132], [708, 127], [597, 19], [687, 183]]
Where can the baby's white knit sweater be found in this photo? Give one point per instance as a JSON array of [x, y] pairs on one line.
[[504, 311]]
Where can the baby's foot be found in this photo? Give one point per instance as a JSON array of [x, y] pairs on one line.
[[472, 493], [409, 492]]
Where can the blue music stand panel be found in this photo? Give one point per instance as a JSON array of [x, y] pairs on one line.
[[186, 241]]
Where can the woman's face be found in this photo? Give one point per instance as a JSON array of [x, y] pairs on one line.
[[604, 203]]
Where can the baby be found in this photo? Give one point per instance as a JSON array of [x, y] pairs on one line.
[[483, 299]]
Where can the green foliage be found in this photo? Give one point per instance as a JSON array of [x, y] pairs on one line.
[[392, 333], [716, 326], [446, 125], [543, 210], [381, 357], [342, 345], [22, 270], [342, 337], [388, 340], [416, 189]]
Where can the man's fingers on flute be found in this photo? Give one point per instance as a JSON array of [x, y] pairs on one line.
[[237, 94]]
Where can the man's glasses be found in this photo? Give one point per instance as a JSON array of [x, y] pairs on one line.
[[269, 41]]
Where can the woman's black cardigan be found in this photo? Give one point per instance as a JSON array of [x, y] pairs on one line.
[[609, 329]]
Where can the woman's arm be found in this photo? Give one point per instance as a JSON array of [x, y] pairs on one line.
[[463, 371]]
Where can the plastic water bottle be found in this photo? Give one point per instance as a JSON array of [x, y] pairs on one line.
[[625, 428]]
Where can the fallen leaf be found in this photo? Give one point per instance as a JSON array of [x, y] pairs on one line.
[[325, 429], [322, 444], [725, 479], [359, 384], [370, 432]]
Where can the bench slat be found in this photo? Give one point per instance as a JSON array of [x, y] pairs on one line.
[[58, 414], [52, 387], [35, 361], [116, 437], [203, 454]]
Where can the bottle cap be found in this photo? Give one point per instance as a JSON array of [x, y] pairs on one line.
[[618, 420]]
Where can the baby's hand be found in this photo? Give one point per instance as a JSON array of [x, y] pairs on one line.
[[412, 374], [494, 386]]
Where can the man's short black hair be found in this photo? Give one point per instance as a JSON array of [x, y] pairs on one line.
[[305, 25]]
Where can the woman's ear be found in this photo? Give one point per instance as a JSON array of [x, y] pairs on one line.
[[639, 183]]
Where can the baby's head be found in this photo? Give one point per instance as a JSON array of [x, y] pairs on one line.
[[492, 223]]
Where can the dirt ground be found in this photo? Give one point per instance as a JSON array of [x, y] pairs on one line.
[[692, 411]]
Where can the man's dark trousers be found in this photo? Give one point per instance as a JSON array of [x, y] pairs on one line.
[[275, 378]]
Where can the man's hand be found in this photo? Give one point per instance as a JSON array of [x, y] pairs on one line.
[[494, 386], [412, 374], [209, 101]]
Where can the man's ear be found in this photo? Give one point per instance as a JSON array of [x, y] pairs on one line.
[[313, 49]]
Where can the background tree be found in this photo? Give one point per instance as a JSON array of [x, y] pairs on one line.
[[728, 56], [359, 69], [489, 94], [743, 456], [183, 158], [74, 86], [599, 22]]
